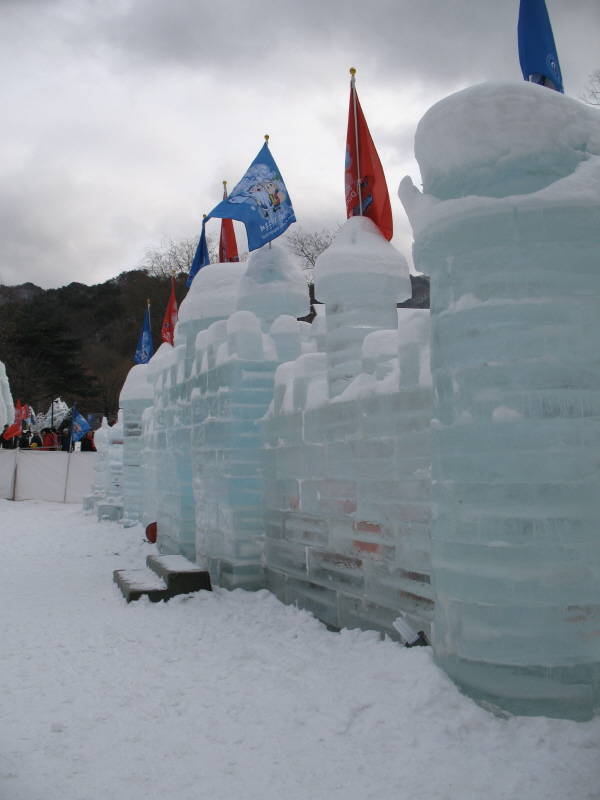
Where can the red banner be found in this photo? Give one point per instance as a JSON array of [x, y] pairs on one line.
[[228, 250], [170, 320], [20, 415], [365, 181]]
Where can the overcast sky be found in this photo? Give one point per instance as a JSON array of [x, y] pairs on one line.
[[121, 118]]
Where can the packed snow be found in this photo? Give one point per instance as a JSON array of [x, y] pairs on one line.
[[232, 694]]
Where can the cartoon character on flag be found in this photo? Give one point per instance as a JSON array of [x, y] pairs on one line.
[[260, 200]]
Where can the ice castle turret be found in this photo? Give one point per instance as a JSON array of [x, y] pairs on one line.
[[235, 364], [137, 394], [508, 228], [360, 277]]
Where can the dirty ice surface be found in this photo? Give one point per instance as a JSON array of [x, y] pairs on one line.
[[233, 695]]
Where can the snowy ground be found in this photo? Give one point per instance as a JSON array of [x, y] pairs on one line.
[[233, 695]]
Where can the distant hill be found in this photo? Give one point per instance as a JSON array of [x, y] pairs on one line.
[[78, 342], [19, 294]]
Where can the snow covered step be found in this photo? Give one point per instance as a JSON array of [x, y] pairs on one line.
[[134, 583], [165, 577], [181, 576]]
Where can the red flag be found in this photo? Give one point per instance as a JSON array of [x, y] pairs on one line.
[[227, 244], [20, 415], [365, 181], [170, 320]]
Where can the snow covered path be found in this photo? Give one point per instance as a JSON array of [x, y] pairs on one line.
[[233, 695]]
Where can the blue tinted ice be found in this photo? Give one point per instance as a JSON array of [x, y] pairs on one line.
[[509, 231]]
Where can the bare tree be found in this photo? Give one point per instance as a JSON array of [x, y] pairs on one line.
[[309, 246], [591, 95], [175, 256]]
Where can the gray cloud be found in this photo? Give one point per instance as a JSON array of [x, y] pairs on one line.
[[122, 117]]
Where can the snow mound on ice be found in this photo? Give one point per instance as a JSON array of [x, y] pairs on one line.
[[213, 292], [501, 139]]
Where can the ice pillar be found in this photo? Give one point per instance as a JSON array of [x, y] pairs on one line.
[[361, 277], [137, 394], [508, 228]]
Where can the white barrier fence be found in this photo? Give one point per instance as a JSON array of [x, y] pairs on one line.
[[52, 475]]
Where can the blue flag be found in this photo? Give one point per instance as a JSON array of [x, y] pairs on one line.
[[145, 348], [537, 51], [79, 425], [260, 200], [201, 259]]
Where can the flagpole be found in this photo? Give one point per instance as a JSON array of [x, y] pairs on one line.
[[358, 188]]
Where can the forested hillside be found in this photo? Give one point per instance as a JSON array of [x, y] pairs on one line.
[[78, 342]]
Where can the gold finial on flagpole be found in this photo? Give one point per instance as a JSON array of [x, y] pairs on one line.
[[203, 216], [267, 139], [148, 301], [352, 71], [224, 183]]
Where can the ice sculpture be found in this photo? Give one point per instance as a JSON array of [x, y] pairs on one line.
[[7, 410], [148, 498], [137, 394], [347, 474], [175, 513], [57, 412], [106, 497], [508, 228], [360, 277], [231, 388]]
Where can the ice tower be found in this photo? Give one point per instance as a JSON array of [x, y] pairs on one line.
[[360, 277], [346, 462], [136, 395], [234, 368], [508, 228]]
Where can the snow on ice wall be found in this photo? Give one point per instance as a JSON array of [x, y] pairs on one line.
[[515, 290]]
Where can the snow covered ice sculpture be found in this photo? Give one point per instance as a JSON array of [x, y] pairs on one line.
[[7, 409], [136, 396], [99, 481], [347, 458], [231, 388], [508, 228], [360, 278]]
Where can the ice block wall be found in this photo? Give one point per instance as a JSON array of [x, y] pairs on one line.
[[347, 476], [175, 508], [137, 394], [508, 228], [231, 388], [148, 485]]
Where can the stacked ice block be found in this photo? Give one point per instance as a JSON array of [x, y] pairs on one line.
[[508, 228], [136, 395], [175, 508], [231, 388], [347, 472]]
